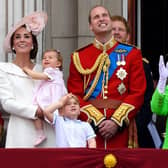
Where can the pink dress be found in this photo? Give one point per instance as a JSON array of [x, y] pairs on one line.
[[49, 91]]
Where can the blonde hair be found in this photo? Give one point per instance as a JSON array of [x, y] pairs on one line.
[[59, 56], [72, 97]]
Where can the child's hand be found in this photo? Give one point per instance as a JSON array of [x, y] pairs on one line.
[[64, 99], [25, 69]]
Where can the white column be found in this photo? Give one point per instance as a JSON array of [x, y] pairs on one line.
[[2, 27], [29, 6], [125, 9], [40, 7]]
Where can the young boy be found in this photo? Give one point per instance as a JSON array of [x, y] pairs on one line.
[[70, 132]]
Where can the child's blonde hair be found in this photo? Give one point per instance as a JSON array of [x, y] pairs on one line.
[[75, 98], [72, 97], [59, 56]]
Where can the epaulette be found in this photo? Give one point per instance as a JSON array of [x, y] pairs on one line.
[[145, 60], [82, 48], [129, 44]]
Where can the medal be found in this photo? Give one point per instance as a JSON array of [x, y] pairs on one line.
[[121, 73], [118, 63], [121, 88], [123, 59], [118, 60]]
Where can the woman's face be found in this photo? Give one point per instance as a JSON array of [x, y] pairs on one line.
[[22, 41]]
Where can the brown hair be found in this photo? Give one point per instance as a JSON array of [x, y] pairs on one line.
[[59, 56], [33, 52], [123, 20], [89, 17]]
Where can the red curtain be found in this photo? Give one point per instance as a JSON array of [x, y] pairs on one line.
[[81, 158]]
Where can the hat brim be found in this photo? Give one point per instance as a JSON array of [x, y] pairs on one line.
[[24, 20]]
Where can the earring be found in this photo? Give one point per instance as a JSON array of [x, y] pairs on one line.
[[13, 48], [32, 47]]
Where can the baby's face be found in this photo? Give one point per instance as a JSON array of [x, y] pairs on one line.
[[50, 60], [71, 109]]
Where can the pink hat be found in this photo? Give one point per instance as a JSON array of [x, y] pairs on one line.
[[35, 22]]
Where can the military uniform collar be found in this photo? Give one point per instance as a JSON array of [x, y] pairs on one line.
[[105, 46]]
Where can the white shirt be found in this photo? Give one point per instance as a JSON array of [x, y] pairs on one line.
[[71, 133]]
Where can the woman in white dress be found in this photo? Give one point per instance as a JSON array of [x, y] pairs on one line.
[[16, 88]]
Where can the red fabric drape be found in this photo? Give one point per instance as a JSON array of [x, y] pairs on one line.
[[81, 158]]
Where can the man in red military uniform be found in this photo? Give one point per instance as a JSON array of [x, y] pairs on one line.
[[109, 79]]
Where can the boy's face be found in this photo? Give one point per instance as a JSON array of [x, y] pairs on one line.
[[50, 60], [71, 109]]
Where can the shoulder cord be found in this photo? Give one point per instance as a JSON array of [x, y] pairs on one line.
[[101, 60]]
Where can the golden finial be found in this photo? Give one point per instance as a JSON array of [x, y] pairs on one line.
[[110, 161]]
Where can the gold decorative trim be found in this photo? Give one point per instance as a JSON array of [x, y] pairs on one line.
[[79, 67], [93, 114], [121, 113], [106, 46], [97, 76], [99, 65], [120, 50]]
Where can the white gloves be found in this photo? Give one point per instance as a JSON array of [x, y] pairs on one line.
[[163, 74]]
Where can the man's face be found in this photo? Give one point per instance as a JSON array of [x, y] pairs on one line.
[[119, 31], [100, 21]]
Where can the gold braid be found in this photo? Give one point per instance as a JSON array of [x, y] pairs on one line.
[[79, 67], [99, 63]]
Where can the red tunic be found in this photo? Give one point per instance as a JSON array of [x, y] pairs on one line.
[[127, 83]]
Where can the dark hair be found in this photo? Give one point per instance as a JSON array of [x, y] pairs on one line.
[[89, 17], [33, 52], [59, 56], [123, 20]]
